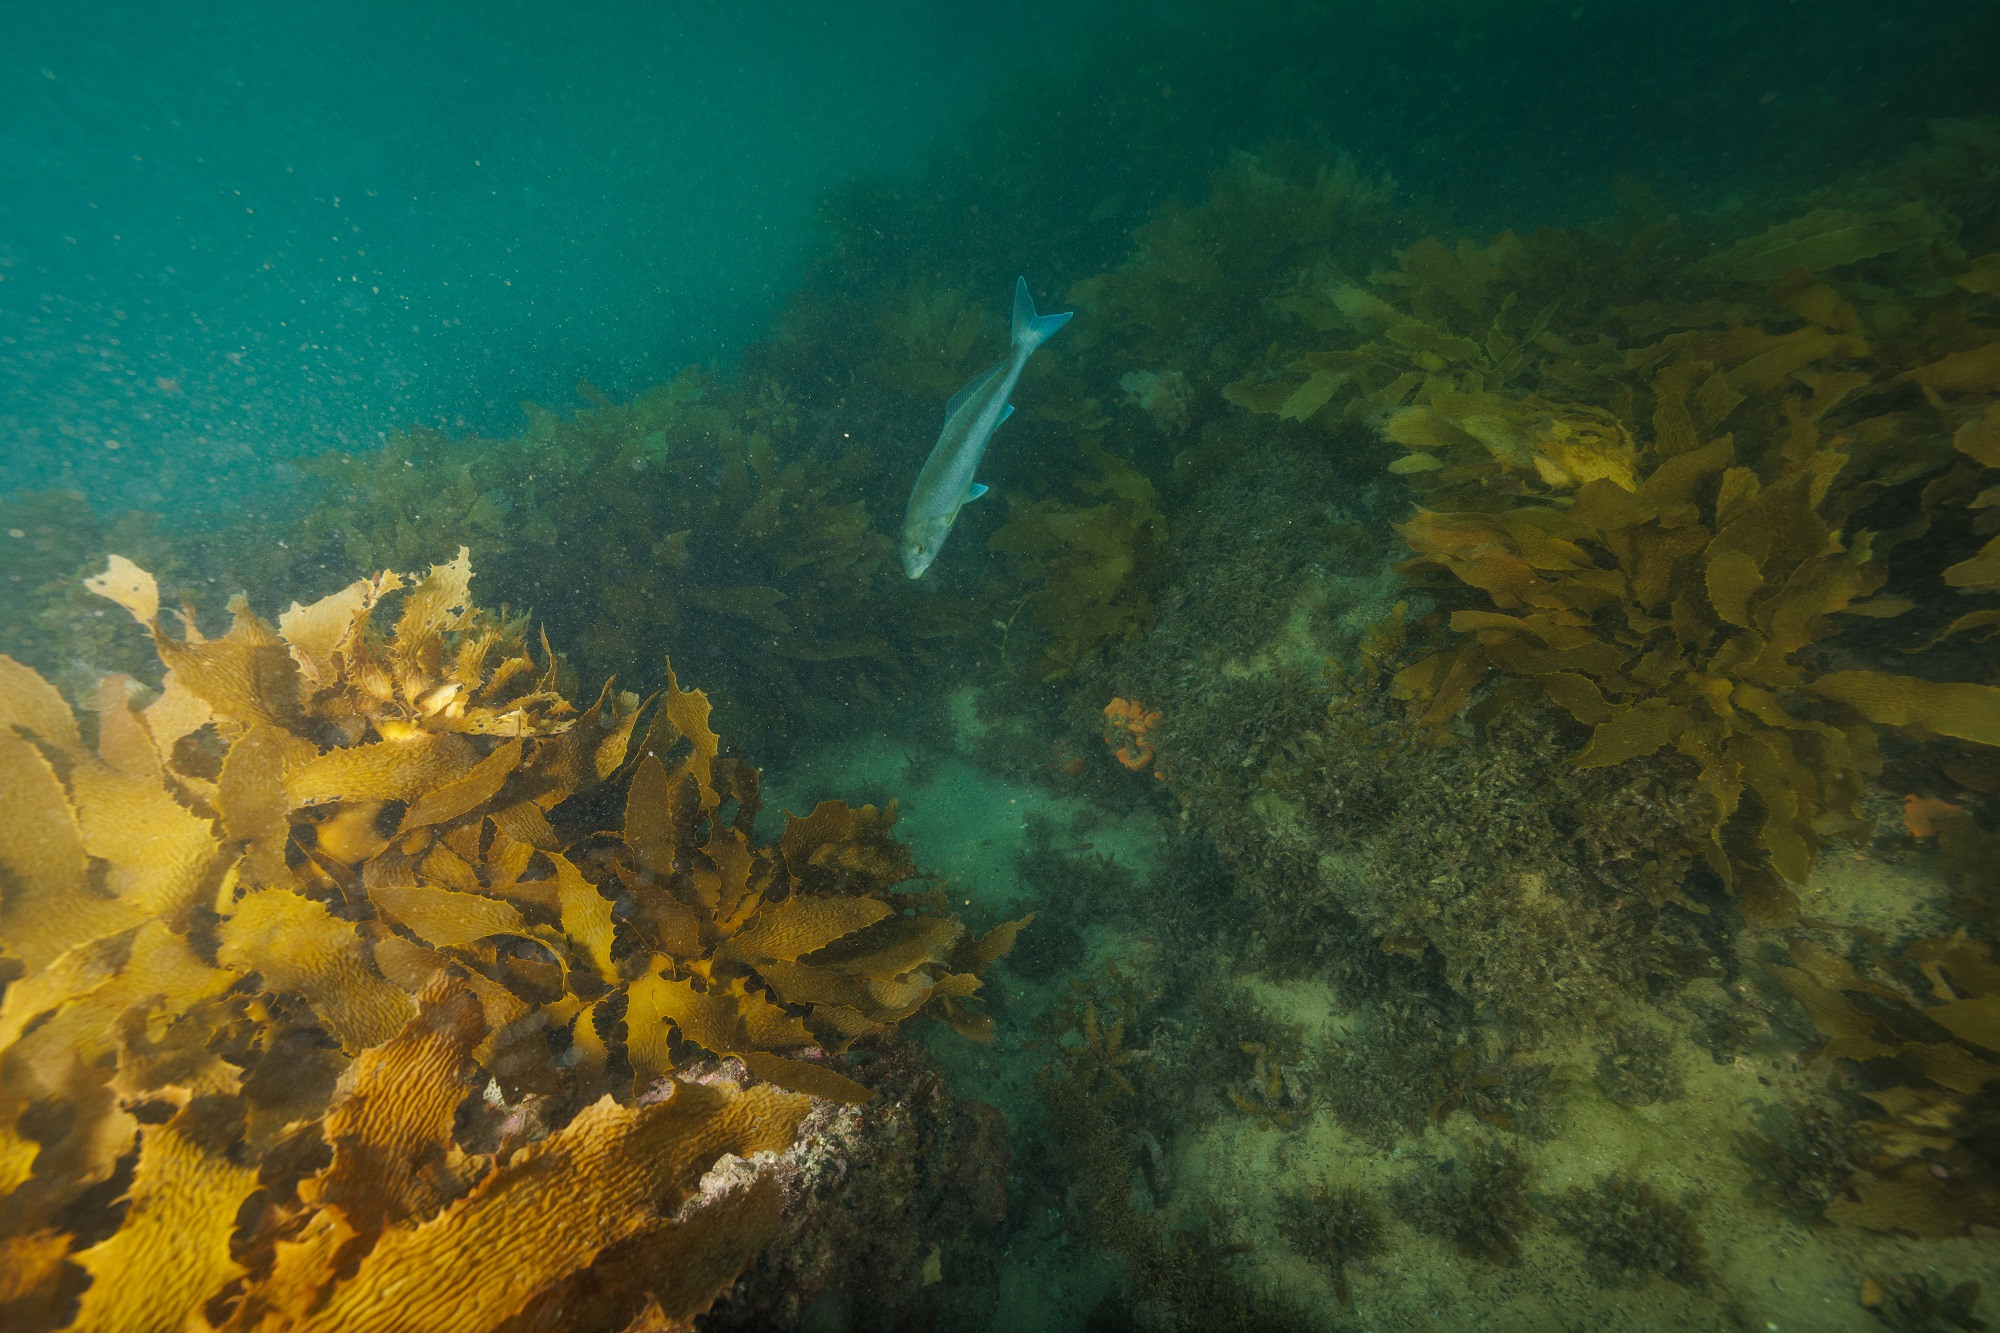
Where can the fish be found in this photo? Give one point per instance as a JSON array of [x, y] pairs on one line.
[[946, 483]]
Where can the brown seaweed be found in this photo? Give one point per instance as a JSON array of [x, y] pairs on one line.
[[275, 930]]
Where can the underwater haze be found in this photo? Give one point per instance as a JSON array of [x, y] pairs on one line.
[[1130, 666], [231, 235]]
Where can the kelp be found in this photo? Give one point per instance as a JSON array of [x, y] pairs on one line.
[[273, 933], [1658, 486], [1156, 338], [1658, 620], [1086, 568], [1968, 492], [1463, 319], [49, 540], [1925, 1026], [693, 517], [1190, 297]]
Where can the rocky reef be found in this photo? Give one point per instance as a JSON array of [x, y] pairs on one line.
[[1555, 670]]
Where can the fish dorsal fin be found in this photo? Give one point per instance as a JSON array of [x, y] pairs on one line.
[[976, 491], [978, 382], [1005, 412]]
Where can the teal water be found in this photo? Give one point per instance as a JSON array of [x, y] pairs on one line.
[[1476, 659]]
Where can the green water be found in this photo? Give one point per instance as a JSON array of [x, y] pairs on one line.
[[1477, 658]]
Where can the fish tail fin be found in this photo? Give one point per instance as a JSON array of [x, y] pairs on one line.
[[1030, 329]]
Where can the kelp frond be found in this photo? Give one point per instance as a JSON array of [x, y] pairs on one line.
[[275, 931]]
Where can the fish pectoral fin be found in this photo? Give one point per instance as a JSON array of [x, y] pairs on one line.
[[1005, 412], [976, 491], [977, 383]]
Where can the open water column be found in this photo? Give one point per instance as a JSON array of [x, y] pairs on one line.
[[1137, 666]]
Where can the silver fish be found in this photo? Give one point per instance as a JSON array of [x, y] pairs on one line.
[[945, 485]]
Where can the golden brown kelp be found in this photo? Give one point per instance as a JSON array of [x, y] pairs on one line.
[[1925, 1029], [693, 517], [1191, 298], [1642, 486], [272, 934], [1086, 570]]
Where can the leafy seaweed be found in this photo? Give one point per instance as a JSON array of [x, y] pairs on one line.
[[274, 933]]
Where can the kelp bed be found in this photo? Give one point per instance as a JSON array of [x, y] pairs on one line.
[[326, 952], [361, 980], [1657, 508], [1552, 834]]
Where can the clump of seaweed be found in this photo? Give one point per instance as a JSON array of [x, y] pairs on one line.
[[1632, 1232], [1536, 889], [1070, 885], [1725, 1026], [1334, 1226], [1191, 293], [1808, 1157], [1114, 1084], [1409, 1062], [1636, 1067], [1086, 569], [1084, 1034], [1274, 1095], [1504, 1088], [1593, 870], [1925, 1025], [1919, 1303], [275, 931], [1181, 1276], [1099, 1091], [1478, 1202]]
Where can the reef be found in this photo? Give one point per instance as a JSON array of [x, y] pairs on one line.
[[1655, 477], [1631, 1232], [326, 958], [1636, 1067], [694, 518], [1916, 1303], [1695, 578], [1335, 1226], [1086, 886], [1921, 1023], [890, 1215], [1480, 1204]]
